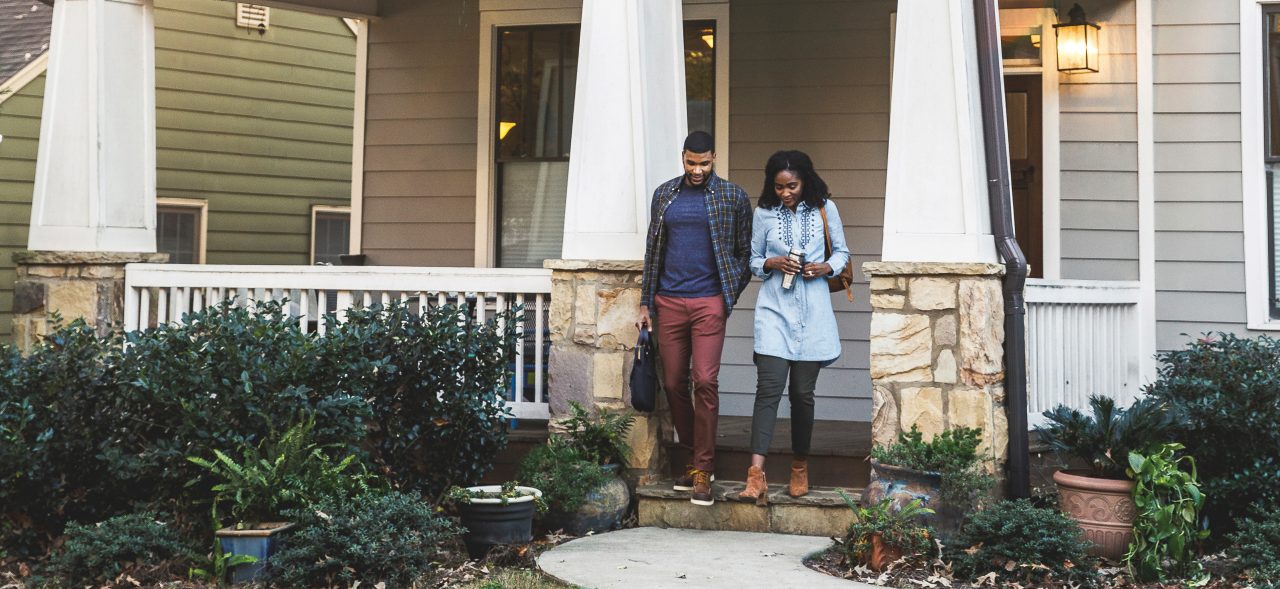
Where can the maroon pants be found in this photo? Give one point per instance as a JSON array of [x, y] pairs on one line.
[[690, 334]]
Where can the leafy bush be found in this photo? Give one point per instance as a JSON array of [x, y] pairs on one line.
[[1167, 525], [292, 472], [1104, 439], [603, 439], [952, 453], [139, 545], [369, 539], [1225, 394], [1256, 544], [1021, 543], [898, 528], [563, 473]]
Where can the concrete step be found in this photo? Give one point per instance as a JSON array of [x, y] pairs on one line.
[[820, 513], [837, 456]]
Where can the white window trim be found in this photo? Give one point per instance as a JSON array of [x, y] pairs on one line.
[[1253, 165], [202, 208], [316, 210], [497, 14]]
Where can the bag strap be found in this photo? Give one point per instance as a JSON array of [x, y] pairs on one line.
[[826, 233], [642, 346]]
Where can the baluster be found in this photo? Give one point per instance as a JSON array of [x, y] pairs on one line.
[[538, 357], [322, 309], [518, 377]]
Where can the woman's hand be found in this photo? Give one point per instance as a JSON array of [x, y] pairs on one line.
[[782, 264], [815, 270]]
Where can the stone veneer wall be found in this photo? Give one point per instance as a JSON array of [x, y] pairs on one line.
[[937, 357], [76, 285], [593, 337]]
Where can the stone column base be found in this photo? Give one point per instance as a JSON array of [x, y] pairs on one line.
[[76, 285], [937, 351], [593, 337]]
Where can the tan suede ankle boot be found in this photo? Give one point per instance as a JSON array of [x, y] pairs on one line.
[[799, 478], [757, 488]]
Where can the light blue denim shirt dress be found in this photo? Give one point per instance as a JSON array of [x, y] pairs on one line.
[[796, 324]]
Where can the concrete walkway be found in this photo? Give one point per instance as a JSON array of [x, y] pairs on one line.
[[694, 559]]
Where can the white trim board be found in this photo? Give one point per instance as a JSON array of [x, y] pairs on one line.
[[24, 76], [1144, 25], [358, 136], [1253, 167]]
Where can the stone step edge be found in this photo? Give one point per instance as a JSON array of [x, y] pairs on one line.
[[741, 448], [825, 497]]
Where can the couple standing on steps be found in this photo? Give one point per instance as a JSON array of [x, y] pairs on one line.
[[704, 242]]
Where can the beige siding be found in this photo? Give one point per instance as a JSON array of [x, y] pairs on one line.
[[1099, 155], [420, 139], [1200, 280], [813, 75]]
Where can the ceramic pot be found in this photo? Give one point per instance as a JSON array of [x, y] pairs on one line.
[[601, 511], [881, 554], [901, 486], [259, 541], [490, 522], [1104, 509]]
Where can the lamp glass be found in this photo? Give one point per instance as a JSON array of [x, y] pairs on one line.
[[1077, 47]]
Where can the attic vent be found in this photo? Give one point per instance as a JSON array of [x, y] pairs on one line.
[[252, 16]]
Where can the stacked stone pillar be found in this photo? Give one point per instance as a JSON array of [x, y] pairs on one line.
[[75, 285], [593, 337], [937, 358]]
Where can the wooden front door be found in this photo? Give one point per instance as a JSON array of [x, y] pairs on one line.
[[1023, 109]]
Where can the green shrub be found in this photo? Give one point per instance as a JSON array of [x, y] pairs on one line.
[[388, 538], [563, 473], [290, 473], [603, 438], [1104, 439], [1225, 393], [952, 453], [139, 545], [1167, 526], [1021, 543], [898, 528], [1256, 545], [438, 417]]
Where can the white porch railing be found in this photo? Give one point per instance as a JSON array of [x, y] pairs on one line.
[[163, 293], [1082, 339]]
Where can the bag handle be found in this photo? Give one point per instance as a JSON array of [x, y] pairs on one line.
[[642, 345], [828, 248]]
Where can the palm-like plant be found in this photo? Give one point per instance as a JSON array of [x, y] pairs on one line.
[[1105, 438]]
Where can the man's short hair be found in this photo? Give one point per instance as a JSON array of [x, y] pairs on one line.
[[699, 142]]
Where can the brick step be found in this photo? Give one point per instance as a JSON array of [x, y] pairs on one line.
[[820, 513]]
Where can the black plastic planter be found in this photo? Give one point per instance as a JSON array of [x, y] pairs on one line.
[[491, 522]]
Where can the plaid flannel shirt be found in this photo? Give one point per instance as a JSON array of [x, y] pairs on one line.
[[730, 215]]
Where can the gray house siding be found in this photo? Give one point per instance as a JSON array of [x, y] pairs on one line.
[[1099, 155], [1200, 275]]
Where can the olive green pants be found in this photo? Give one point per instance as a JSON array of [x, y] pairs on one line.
[[772, 374]]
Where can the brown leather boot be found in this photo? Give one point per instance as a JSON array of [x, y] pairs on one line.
[[799, 478], [757, 489], [701, 489]]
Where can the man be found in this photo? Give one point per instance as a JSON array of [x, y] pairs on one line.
[[695, 267]]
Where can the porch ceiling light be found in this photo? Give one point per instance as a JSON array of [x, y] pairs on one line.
[[1077, 43]]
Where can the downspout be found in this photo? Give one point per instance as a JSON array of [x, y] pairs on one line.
[[1000, 198]]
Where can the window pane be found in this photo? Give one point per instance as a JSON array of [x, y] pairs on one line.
[[332, 238], [513, 63], [700, 74], [177, 234], [531, 221], [1273, 84]]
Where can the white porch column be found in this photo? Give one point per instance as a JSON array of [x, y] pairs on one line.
[[96, 166], [628, 124], [935, 194]]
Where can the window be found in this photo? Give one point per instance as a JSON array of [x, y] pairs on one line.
[[1271, 114], [180, 229], [537, 69], [330, 234]]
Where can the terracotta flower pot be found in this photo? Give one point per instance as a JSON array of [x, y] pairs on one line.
[[1104, 509], [881, 554]]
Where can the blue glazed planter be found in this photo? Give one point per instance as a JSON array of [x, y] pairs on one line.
[[259, 541], [601, 510]]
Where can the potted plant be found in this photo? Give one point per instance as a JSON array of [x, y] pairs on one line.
[[495, 514], [580, 471], [292, 472], [884, 533], [1100, 495], [945, 474]]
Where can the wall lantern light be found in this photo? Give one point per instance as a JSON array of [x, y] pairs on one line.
[[1077, 43]]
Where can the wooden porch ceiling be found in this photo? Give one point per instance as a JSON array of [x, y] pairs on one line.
[[343, 8]]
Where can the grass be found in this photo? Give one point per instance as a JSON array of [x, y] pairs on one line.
[[514, 578]]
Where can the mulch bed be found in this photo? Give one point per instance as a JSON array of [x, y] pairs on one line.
[[938, 574]]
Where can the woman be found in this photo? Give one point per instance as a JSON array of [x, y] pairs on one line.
[[795, 327]]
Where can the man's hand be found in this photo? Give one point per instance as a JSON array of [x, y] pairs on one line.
[[642, 320]]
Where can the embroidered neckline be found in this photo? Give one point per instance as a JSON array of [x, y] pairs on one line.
[[806, 225]]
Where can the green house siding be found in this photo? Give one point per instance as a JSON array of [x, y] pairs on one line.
[[257, 125]]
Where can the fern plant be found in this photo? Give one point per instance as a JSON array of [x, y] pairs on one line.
[[953, 454], [292, 472], [603, 439]]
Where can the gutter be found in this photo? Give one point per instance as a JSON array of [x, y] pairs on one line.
[[1000, 199]]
